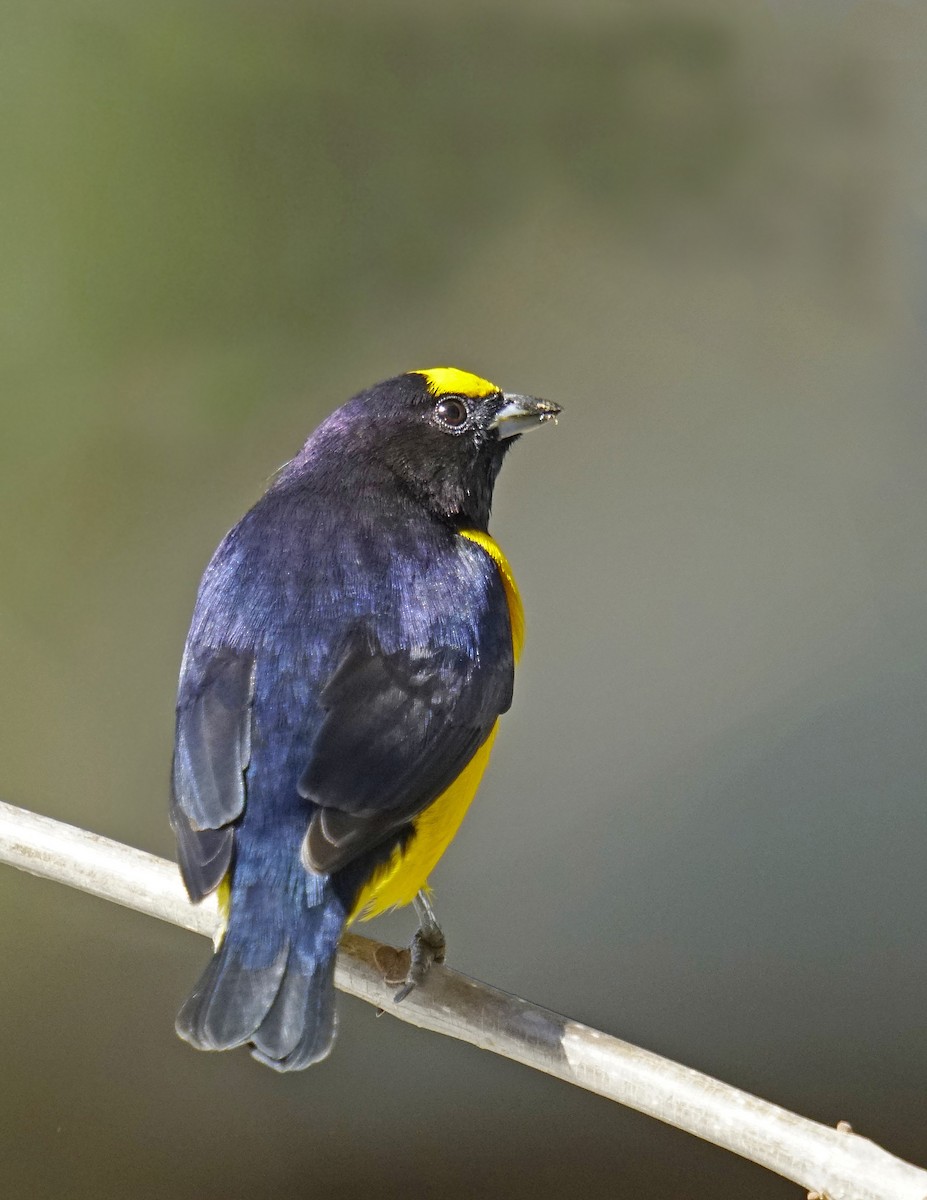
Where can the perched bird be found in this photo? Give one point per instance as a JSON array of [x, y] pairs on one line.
[[351, 650]]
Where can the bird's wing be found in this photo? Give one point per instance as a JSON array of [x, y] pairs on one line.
[[398, 729], [211, 751]]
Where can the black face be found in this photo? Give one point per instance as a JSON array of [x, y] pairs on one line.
[[443, 447], [441, 435]]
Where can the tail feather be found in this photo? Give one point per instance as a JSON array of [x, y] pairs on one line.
[[276, 993], [300, 1028], [230, 1001]]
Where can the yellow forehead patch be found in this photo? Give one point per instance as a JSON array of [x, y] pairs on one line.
[[449, 381]]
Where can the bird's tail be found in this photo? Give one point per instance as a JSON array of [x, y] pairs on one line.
[[271, 982]]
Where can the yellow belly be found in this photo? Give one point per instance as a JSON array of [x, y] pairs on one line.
[[405, 874]]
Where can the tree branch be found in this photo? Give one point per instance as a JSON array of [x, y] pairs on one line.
[[833, 1163]]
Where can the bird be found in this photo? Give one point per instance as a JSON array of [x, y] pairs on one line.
[[351, 650]]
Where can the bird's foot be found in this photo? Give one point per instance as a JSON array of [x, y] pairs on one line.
[[424, 950], [428, 946]]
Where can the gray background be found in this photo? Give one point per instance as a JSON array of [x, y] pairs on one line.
[[700, 228]]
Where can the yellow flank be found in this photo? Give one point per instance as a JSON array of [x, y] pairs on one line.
[[224, 904], [399, 880], [406, 873], [449, 381]]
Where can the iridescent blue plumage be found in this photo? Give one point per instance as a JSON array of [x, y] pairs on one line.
[[349, 653]]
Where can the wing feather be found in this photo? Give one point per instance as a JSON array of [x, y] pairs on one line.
[[211, 752], [399, 727]]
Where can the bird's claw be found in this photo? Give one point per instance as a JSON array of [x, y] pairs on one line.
[[428, 946]]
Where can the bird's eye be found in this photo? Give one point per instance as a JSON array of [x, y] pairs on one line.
[[452, 412]]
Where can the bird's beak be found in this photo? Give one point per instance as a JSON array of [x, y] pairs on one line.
[[518, 414]]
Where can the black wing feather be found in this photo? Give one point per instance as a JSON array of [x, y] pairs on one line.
[[398, 729]]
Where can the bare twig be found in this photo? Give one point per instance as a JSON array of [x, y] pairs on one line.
[[834, 1163]]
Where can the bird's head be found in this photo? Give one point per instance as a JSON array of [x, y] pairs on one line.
[[441, 433]]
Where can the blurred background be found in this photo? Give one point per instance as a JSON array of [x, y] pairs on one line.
[[702, 229]]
